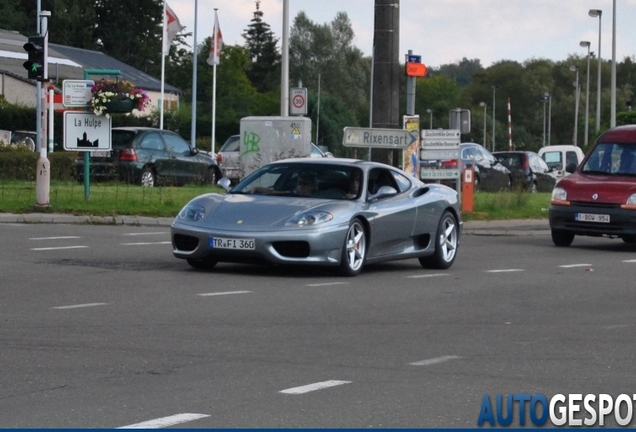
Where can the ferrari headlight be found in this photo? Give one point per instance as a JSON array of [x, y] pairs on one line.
[[193, 212], [559, 194], [309, 218]]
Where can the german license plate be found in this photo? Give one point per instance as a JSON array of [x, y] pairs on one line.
[[100, 154], [232, 243], [589, 217]]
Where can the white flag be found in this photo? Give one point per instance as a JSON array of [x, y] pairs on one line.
[[216, 43], [171, 26]]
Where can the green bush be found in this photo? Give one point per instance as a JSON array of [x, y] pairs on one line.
[[19, 163]]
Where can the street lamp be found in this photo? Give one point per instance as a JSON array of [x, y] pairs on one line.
[[586, 44], [483, 104], [430, 113], [597, 13], [613, 84], [544, 98], [576, 104], [494, 90]]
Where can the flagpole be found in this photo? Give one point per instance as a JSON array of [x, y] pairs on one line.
[[163, 67], [214, 38], [193, 128]]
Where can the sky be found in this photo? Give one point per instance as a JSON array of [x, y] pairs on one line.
[[443, 31]]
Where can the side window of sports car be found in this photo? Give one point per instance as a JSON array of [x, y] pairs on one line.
[[403, 182]]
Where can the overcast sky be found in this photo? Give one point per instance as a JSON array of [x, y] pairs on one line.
[[444, 31]]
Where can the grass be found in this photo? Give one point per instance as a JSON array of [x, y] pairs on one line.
[[105, 199], [113, 198]]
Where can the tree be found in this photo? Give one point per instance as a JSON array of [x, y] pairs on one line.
[[264, 69]]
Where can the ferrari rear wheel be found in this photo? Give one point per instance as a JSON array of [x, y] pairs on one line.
[[203, 264], [446, 242], [354, 249]]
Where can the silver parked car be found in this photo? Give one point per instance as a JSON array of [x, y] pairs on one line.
[[330, 211]]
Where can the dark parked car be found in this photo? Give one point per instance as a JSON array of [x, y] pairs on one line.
[[490, 175], [599, 197], [529, 171], [148, 156]]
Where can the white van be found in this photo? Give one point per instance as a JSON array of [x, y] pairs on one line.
[[560, 157]]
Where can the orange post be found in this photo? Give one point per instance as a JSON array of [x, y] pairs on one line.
[[468, 189]]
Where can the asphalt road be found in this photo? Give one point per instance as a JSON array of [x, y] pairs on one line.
[[101, 327]]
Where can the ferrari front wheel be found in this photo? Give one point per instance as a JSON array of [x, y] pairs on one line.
[[354, 249]]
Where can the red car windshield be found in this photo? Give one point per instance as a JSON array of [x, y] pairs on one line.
[[611, 159]]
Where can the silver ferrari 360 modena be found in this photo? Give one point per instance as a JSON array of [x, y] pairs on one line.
[[336, 212]]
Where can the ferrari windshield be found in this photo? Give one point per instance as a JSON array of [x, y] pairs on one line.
[[611, 159], [310, 180]]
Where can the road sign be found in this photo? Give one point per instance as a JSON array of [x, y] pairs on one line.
[[86, 131], [438, 174], [413, 58], [298, 101], [77, 93], [378, 138], [415, 69], [439, 154], [440, 139]]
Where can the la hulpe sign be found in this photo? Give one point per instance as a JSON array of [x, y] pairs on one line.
[[86, 131]]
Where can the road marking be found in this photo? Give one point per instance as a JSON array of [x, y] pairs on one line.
[[224, 293], [504, 271], [428, 275], [145, 243], [575, 265], [616, 326], [630, 261], [435, 360], [313, 387], [58, 248], [327, 284], [149, 233], [165, 421], [55, 238], [79, 306]]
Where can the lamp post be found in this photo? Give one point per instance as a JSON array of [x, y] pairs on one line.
[[586, 44], [576, 105], [544, 98], [483, 104], [430, 121], [613, 84], [597, 13], [494, 90]]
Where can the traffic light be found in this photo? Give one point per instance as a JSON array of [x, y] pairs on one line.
[[35, 64]]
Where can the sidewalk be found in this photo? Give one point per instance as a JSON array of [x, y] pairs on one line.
[[492, 228]]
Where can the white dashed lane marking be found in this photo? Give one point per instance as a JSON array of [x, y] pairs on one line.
[[59, 248], [435, 360], [55, 238], [575, 265], [144, 233], [504, 271], [313, 387], [327, 284], [224, 293], [146, 243], [630, 261], [165, 421], [428, 275], [79, 306]]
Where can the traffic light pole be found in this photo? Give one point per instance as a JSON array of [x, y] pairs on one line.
[[43, 169]]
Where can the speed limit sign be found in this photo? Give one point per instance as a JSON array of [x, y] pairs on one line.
[[298, 101]]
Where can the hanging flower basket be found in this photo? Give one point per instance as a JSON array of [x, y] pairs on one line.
[[111, 97], [119, 106]]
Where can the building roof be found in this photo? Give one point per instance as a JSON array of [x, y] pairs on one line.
[[69, 63]]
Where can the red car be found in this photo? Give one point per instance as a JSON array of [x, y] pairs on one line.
[[599, 198]]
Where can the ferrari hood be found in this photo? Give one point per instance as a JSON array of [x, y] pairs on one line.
[[257, 212]]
